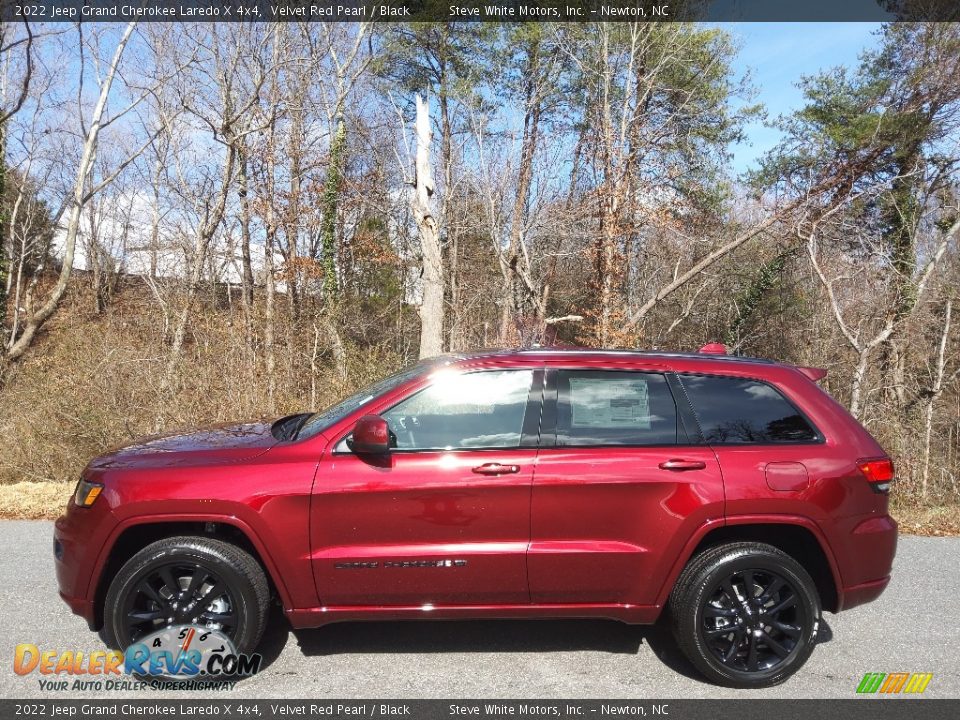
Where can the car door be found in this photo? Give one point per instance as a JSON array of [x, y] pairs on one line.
[[444, 517], [622, 480]]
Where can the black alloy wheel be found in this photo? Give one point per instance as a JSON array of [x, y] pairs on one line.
[[753, 620], [188, 580], [745, 614], [179, 594]]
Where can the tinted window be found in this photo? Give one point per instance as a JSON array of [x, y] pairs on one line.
[[734, 411], [475, 410], [614, 408]]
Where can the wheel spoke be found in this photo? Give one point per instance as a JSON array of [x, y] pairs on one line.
[[779, 649], [215, 591], [734, 646], [169, 581], [748, 585], [792, 631], [227, 618], [730, 592], [147, 589], [720, 631], [141, 616], [752, 662], [712, 611], [196, 581], [771, 589], [783, 605]]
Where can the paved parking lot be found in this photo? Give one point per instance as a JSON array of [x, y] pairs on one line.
[[914, 627]]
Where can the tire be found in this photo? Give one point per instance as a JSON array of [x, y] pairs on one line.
[[772, 629], [240, 609]]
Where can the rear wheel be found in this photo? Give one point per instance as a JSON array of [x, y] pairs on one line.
[[745, 614], [188, 580]]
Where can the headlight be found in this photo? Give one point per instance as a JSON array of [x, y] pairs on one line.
[[86, 493]]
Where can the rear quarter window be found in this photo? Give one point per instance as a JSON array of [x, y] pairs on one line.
[[740, 411]]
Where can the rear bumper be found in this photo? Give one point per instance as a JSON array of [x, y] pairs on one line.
[[862, 593], [867, 560]]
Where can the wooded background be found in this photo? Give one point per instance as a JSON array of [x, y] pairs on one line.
[[206, 222]]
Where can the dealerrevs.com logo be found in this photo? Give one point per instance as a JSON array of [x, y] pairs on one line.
[[180, 657], [893, 683]]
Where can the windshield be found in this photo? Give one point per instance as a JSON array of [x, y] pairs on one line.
[[318, 422]]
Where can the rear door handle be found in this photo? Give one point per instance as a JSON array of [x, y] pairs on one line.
[[496, 469], [677, 464]]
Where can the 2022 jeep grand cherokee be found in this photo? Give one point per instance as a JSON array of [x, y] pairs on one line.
[[733, 492]]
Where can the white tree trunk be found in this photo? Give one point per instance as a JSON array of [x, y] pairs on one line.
[[431, 308], [932, 398], [77, 201]]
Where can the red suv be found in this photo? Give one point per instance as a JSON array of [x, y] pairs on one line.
[[732, 492]]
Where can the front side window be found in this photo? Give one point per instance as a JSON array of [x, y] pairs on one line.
[[614, 408], [318, 422], [463, 411], [739, 411]]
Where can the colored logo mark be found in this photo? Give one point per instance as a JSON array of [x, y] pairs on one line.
[[890, 683]]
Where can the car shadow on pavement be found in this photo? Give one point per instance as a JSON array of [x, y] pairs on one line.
[[482, 636], [474, 636]]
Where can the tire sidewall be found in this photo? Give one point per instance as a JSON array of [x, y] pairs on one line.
[[241, 588], [706, 585]]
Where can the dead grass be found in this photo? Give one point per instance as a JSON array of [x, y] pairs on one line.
[[937, 521], [33, 500]]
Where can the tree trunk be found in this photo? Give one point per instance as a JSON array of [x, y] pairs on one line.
[[6, 239], [269, 319], [243, 189], [331, 196], [518, 296], [431, 306], [932, 398], [452, 245]]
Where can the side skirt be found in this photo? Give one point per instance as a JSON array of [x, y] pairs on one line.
[[319, 616]]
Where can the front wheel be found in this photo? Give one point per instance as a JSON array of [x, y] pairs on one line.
[[188, 580], [745, 614]]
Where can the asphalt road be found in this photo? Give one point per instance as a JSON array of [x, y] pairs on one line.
[[914, 627]]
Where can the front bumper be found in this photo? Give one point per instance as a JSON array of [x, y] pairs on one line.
[[78, 536]]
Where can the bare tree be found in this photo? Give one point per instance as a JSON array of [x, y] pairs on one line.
[[431, 304], [940, 382], [864, 346], [82, 192], [224, 96]]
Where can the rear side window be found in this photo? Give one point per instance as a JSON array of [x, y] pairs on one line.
[[614, 408], [738, 411]]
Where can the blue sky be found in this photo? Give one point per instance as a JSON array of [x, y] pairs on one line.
[[777, 55]]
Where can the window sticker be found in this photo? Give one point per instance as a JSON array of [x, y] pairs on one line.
[[609, 403]]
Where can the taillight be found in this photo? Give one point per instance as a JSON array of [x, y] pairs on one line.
[[879, 473]]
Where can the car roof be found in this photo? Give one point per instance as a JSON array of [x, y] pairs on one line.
[[582, 353]]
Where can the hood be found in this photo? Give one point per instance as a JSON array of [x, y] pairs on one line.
[[217, 444]]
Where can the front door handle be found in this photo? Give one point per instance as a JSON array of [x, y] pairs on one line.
[[496, 469], [677, 464]]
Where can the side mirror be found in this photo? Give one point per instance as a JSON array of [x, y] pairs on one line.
[[370, 435]]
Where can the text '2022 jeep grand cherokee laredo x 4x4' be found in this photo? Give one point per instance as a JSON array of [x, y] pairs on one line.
[[533, 483]]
